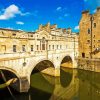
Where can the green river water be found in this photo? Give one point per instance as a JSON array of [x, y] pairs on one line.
[[72, 84]]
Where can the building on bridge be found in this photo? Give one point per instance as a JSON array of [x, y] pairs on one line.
[[48, 47], [45, 38]]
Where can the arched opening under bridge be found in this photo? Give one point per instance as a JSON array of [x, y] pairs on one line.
[[39, 85], [67, 62], [44, 66], [9, 82]]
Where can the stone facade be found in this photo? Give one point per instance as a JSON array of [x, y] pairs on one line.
[[21, 52], [89, 37], [45, 38]]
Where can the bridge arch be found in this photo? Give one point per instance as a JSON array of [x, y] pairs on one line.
[[10, 70], [66, 61], [42, 62], [10, 75]]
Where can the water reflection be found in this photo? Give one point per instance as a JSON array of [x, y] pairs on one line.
[[71, 85], [65, 73], [40, 87], [89, 85]]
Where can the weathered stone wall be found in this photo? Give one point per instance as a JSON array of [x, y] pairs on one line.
[[89, 34], [91, 65]]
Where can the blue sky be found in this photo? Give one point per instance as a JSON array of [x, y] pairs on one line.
[[28, 14]]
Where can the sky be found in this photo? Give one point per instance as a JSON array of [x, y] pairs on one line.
[[27, 15]]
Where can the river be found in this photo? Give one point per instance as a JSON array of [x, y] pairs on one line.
[[72, 84]]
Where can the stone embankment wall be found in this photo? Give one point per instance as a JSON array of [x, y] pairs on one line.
[[89, 64]]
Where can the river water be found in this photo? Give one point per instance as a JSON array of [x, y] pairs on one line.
[[71, 85]]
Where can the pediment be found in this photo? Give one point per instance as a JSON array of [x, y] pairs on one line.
[[43, 33]]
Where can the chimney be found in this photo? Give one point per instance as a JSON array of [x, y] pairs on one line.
[[98, 9], [69, 30], [86, 12]]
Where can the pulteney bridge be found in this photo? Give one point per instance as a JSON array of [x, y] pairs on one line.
[[20, 65]]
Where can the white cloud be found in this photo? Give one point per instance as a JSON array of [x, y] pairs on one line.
[[59, 8], [76, 28], [94, 10], [11, 12], [24, 14], [20, 23], [20, 29]]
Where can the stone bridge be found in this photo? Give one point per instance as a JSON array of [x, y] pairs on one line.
[[21, 65], [23, 53]]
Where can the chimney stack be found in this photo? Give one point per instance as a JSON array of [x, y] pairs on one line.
[[86, 12], [98, 9]]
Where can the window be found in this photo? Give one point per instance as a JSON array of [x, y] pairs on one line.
[[23, 48], [2, 33], [14, 48], [88, 31], [88, 41], [52, 46], [83, 55], [31, 35], [94, 25], [57, 46], [37, 47], [94, 36], [49, 47], [94, 46], [43, 46], [31, 47], [98, 40]]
